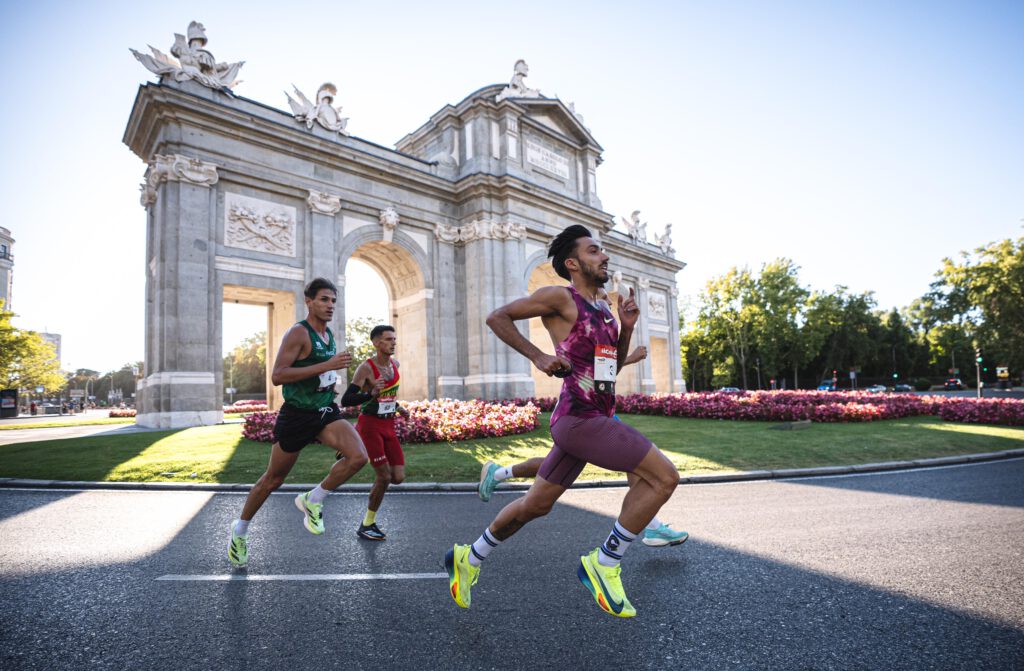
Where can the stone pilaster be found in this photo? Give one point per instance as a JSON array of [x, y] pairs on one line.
[[182, 349]]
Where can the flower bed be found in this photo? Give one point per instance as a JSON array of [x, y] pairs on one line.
[[121, 412], [546, 404], [241, 407], [433, 421], [823, 406]]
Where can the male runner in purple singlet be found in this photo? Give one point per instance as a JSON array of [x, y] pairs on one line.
[[591, 347]]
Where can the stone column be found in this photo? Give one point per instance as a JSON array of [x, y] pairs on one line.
[[643, 334], [182, 348], [494, 258], [448, 347], [678, 382]]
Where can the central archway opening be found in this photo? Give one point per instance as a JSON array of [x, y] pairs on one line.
[[384, 285]]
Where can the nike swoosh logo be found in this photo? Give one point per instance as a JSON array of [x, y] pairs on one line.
[[608, 321], [617, 607]]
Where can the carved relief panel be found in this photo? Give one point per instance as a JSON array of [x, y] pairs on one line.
[[259, 225]]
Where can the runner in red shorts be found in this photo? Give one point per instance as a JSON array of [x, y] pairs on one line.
[[375, 389]]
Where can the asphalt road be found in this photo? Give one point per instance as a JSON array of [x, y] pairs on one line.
[[911, 570]]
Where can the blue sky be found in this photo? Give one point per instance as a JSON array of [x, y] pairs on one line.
[[863, 140]]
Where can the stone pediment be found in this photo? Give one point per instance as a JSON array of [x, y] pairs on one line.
[[554, 115]]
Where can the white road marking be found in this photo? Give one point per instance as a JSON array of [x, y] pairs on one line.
[[244, 577]]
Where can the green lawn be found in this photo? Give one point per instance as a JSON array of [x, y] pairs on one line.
[[220, 454], [41, 424]]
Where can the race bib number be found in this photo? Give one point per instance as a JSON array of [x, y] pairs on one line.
[[606, 366], [387, 407], [328, 380]]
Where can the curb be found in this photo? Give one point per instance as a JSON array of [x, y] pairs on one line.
[[738, 476]]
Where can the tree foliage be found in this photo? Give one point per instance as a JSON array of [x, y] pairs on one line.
[[357, 340], [983, 294], [26, 360], [770, 323], [245, 367]]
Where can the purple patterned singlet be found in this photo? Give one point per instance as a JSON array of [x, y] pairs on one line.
[[581, 395]]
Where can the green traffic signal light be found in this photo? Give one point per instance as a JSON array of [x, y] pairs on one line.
[[895, 375]]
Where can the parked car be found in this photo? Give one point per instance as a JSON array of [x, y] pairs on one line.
[[826, 385], [729, 390], [903, 387], [953, 384], [876, 389]]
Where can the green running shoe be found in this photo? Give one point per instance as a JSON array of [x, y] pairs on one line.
[[664, 535], [487, 482], [605, 585], [238, 550], [313, 512], [461, 574]]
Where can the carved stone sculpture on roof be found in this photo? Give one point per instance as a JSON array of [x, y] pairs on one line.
[[636, 230], [189, 60], [517, 88], [322, 112], [665, 240], [579, 117]]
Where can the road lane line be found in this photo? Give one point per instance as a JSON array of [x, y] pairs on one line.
[[244, 577]]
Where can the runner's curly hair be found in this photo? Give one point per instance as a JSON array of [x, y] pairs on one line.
[[564, 247]]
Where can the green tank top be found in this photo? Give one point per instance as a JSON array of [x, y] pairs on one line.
[[313, 393]]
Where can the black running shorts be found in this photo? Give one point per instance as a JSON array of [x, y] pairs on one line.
[[295, 427]]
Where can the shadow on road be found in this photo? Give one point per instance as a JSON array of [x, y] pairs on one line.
[[1003, 487], [702, 605]]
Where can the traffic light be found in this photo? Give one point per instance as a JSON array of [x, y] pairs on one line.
[[977, 354], [895, 375]]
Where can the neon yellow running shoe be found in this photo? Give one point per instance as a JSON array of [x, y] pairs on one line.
[[238, 550], [313, 512], [606, 586], [461, 574]]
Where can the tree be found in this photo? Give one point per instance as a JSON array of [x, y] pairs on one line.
[[984, 292], [777, 305], [357, 339], [846, 326], [245, 367], [26, 360], [727, 316]]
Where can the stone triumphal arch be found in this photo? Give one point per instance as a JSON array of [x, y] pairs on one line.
[[245, 202]]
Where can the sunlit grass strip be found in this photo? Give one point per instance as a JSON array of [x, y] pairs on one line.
[[68, 422], [193, 455]]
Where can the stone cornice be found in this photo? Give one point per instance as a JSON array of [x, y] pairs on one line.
[[175, 168], [480, 229], [166, 106]]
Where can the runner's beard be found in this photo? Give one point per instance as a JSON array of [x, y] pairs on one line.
[[594, 275]]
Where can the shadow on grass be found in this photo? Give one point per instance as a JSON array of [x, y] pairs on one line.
[[86, 458]]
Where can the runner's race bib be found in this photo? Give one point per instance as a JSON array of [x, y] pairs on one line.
[[606, 366], [387, 407], [328, 380]]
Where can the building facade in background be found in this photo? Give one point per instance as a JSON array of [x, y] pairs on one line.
[[6, 267]]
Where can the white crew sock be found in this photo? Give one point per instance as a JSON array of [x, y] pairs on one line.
[[655, 523], [503, 473], [615, 546], [482, 547], [318, 494], [241, 527]]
